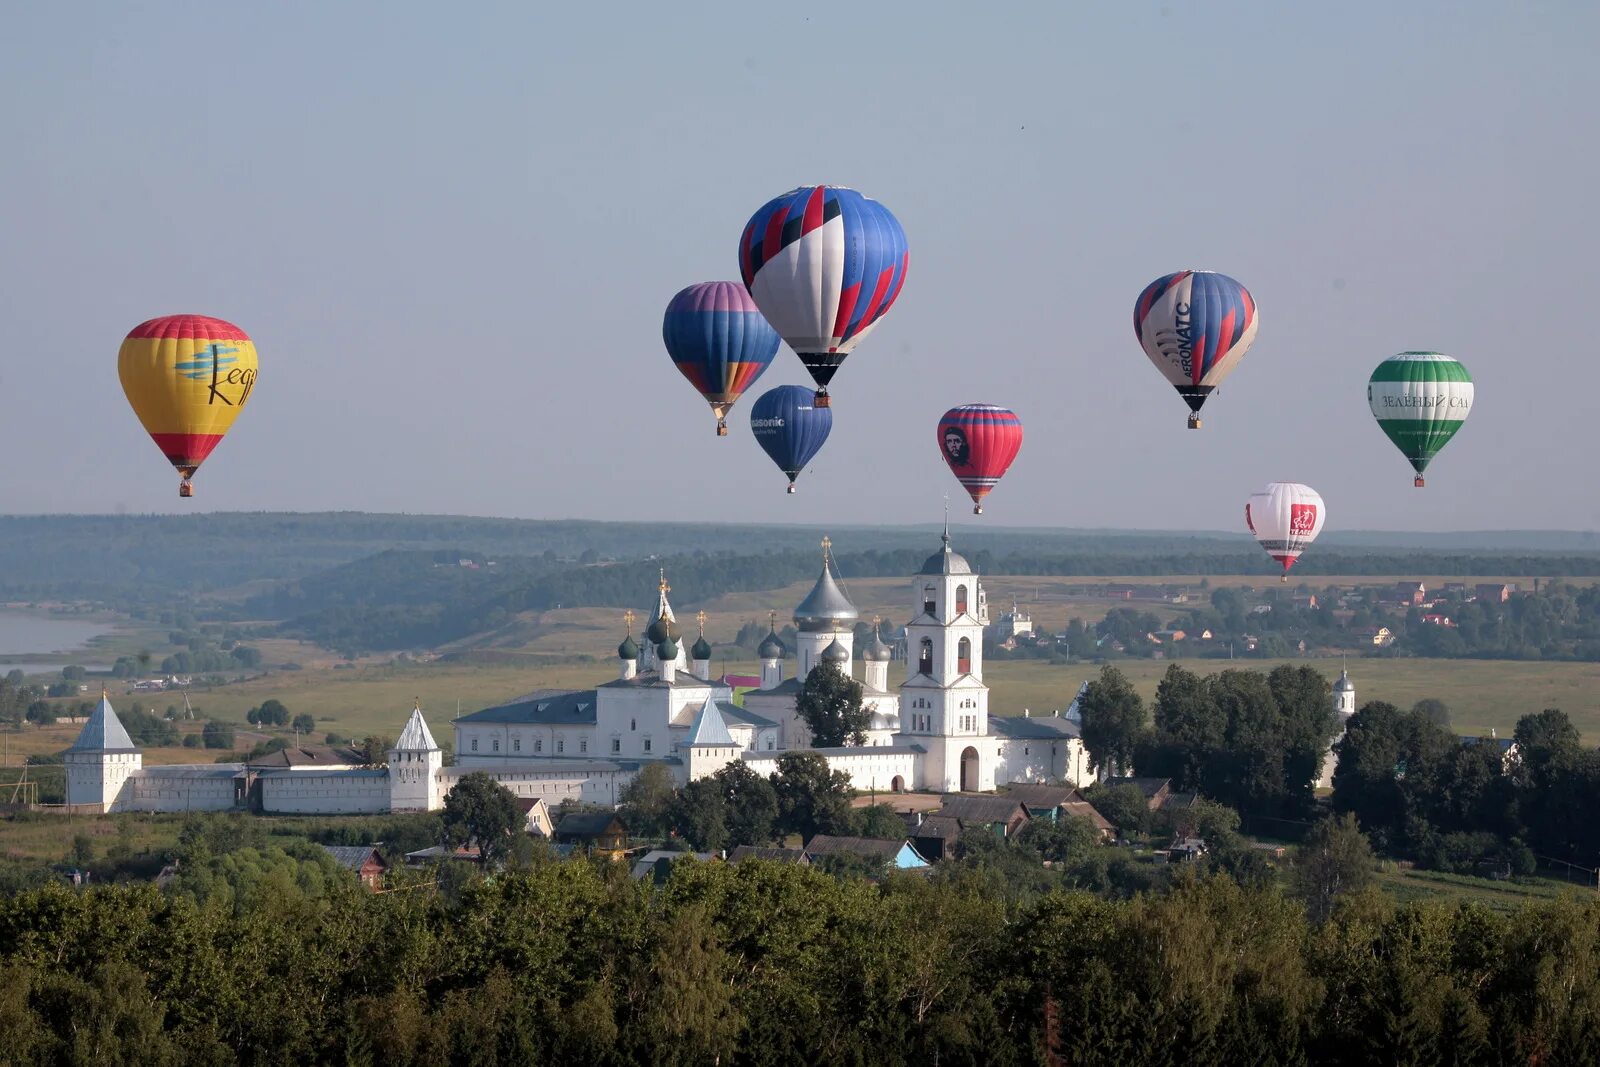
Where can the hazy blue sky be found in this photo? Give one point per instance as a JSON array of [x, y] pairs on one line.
[[451, 231]]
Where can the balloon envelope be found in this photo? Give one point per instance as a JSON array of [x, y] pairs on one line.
[[1420, 400], [1285, 517], [719, 340], [824, 264], [978, 442], [187, 377], [790, 427], [1195, 326]]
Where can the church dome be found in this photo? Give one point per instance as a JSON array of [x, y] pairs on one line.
[[946, 561], [701, 649], [667, 650], [835, 653], [825, 608], [877, 651], [1344, 684], [772, 648], [629, 649], [661, 629]]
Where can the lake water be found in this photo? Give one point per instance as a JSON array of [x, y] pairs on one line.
[[23, 635]]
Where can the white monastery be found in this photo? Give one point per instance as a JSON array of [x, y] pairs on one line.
[[930, 731]]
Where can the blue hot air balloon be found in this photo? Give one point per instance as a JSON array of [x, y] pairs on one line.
[[790, 426], [719, 341], [824, 265]]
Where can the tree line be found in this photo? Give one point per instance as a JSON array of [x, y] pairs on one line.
[[764, 963]]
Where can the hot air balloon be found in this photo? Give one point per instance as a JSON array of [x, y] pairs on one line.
[[1285, 517], [790, 426], [1420, 400], [719, 341], [979, 441], [1195, 325], [824, 264], [187, 377]]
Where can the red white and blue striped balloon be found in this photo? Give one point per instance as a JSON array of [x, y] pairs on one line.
[[824, 265], [719, 341], [1195, 326]]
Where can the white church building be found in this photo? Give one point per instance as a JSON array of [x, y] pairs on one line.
[[930, 731]]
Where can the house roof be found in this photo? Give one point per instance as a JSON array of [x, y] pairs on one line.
[[1148, 786], [309, 757], [776, 855], [544, 707], [733, 713], [1084, 809], [941, 827], [416, 737], [103, 732], [1000, 809], [1043, 728], [653, 680], [645, 865], [885, 849], [354, 857], [589, 824], [1042, 797]]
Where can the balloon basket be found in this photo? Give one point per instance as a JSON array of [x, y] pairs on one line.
[[185, 489], [790, 489], [722, 428], [1194, 422], [823, 400], [1284, 577], [977, 509], [1417, 481]]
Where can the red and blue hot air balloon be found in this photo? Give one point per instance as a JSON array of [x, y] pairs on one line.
[[719, 341], [1195, 326], [824, 264], [790, 426], [979, 441]]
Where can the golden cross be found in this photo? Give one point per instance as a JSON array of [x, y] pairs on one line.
[[700, 617], [416, 703], [827, 543], [627, 618], [664, 587], [772, 621]]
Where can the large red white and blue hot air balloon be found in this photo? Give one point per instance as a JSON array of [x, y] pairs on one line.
[[717, 338], [1195, 326], [824, 264], [979, 441]]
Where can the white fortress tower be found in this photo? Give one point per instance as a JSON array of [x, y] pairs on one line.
[[416, 779], [1344, 703], [825, 618], [943, 698], [100, 761]]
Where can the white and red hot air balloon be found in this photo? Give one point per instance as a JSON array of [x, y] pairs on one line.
[[1285, 517]]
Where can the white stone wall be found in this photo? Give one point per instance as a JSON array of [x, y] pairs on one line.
[[325, 793], [154, 791], [552, 782], [1034, 760]]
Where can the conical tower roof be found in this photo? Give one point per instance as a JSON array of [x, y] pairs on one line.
[[103, 732], [825, 608], [416, 737], [710, 728]]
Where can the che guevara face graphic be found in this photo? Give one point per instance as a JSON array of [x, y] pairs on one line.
[[955, 445]]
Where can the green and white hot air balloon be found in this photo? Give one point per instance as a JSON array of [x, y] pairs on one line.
[[1420, 400]]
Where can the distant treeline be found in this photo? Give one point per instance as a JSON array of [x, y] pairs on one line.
[[764, 964]]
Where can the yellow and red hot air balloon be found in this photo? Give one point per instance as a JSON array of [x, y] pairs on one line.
[[187, 378]]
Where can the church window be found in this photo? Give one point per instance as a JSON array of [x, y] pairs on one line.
[[616, 744], [583, 744], [516, 744], [964, 656], [961, 600], [497, 744], [1024, 750], [474, 744], [538, 744], [633, 724], [928, 599], [561, 745], [647, 744], [769, 742], [925, 658]]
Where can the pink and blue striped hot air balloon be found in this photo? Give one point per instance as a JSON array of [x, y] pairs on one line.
[[824, 264], [1195, 326], [719, 341]]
